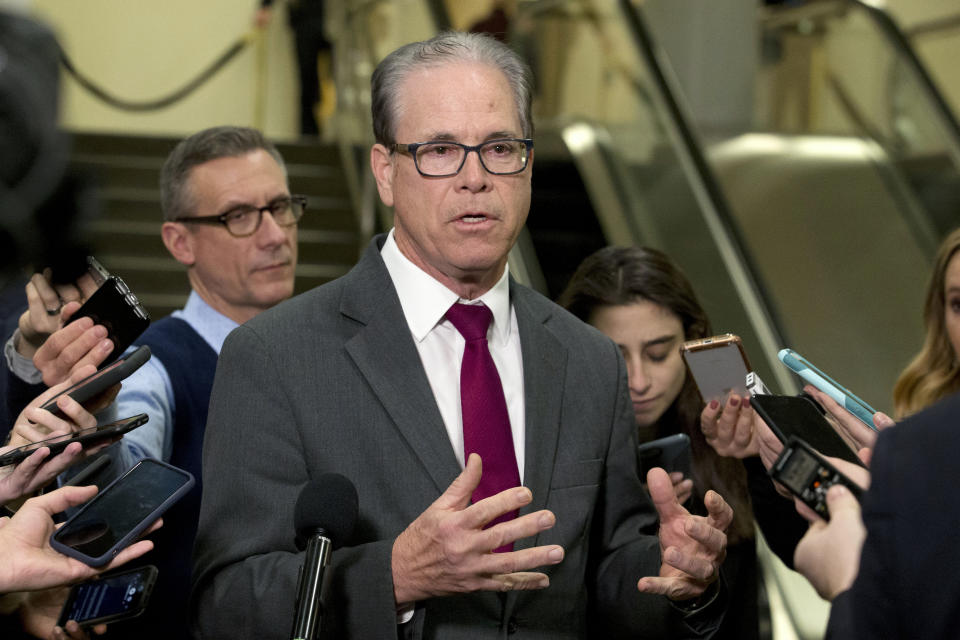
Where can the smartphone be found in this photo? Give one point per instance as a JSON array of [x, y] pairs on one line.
[[798, 416], [671, 453], [110, 597], [805, 369], [115, 307], [808, 476], [116, 516], [85, 437], [718, 365], [755, 385], [97, 381], [96, 271]]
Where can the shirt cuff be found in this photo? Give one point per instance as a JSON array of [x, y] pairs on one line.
[[695, 605], [20, 366]]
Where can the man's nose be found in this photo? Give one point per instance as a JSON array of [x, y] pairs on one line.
[[270, 232], [473, 174]]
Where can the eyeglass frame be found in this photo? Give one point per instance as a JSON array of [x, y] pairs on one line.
[[222, 218], [411, 148]]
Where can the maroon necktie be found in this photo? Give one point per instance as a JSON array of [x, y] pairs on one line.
[[486, 424]]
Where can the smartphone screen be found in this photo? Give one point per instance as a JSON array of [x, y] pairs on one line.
[[799, 417], [118, 514], [718, 366], [110, 597], [671, 453], [84, 436]]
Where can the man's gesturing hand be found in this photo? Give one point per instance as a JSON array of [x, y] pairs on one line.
[[446, 550], [691, 547]]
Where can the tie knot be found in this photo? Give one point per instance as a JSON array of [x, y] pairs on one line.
[[471, 320]]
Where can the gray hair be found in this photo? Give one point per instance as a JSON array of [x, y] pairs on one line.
[[449, 46], [200, 148]]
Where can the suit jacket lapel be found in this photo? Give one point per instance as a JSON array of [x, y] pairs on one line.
[[544, 362], [386, 356]]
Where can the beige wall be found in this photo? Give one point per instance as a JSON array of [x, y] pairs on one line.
[[138, 50]]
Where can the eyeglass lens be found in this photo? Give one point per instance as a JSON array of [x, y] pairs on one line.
[[497, 156], [245, 220]]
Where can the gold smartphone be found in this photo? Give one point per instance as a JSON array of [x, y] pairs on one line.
[[718, 365]]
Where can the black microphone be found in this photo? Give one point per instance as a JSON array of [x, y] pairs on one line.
[[324, 518]]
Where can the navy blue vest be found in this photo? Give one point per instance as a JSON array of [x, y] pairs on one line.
[[191, 364]]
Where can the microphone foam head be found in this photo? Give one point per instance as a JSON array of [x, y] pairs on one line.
[[329, 505]]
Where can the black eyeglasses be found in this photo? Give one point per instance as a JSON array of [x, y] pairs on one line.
[[442, 159], [245, 219]]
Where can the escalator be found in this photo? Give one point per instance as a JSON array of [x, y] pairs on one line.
[[811, 227]]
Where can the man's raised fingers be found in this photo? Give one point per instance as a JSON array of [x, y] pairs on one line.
[[457, 495], [694, 566], [516, 529], [481, 513], [662, 493], [518, 561], [673, 588], [719, 513]]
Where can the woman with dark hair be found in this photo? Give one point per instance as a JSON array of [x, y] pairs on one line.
[[645, 304]]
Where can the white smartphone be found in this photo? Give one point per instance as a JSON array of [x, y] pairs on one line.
[[718, 364]]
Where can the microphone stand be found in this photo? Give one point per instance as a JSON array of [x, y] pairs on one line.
[[306, 622]]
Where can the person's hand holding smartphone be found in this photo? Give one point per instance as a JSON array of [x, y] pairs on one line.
[[34, 424], [96, 332], [30, 563], [46, 299], [729, 427], [86, 438], [117, 309], [110, 597]]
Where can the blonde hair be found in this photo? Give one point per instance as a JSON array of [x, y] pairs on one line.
[[934, 372]]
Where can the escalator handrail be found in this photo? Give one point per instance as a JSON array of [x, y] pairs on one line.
[[895, 37], [753, 294]]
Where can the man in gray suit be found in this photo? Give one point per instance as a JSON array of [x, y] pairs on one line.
[[361, 377]]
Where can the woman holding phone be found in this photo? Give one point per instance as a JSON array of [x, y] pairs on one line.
[[644, 303]]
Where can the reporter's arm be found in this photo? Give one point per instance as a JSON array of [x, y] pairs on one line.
[[29, 562]]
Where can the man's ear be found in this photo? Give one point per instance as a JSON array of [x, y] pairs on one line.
[[178, 241], [381, 163]]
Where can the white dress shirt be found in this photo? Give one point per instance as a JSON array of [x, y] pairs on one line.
[[425, 302]]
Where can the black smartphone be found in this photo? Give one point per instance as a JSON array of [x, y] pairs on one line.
[[116, 516], [798, 416], [808, 476], [85, 437], [671, 453], [115, 307], [110, 597], [97, 381]]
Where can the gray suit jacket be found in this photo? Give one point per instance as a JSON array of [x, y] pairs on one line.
[[331, 381]]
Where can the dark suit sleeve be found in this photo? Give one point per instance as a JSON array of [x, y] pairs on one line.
[[254, 465], [627, 551], [869, 608]]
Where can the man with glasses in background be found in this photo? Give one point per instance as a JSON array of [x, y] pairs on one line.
[[230, 219]]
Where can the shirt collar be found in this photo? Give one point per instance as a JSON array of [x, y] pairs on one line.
[[209, 323], [425, 301]]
